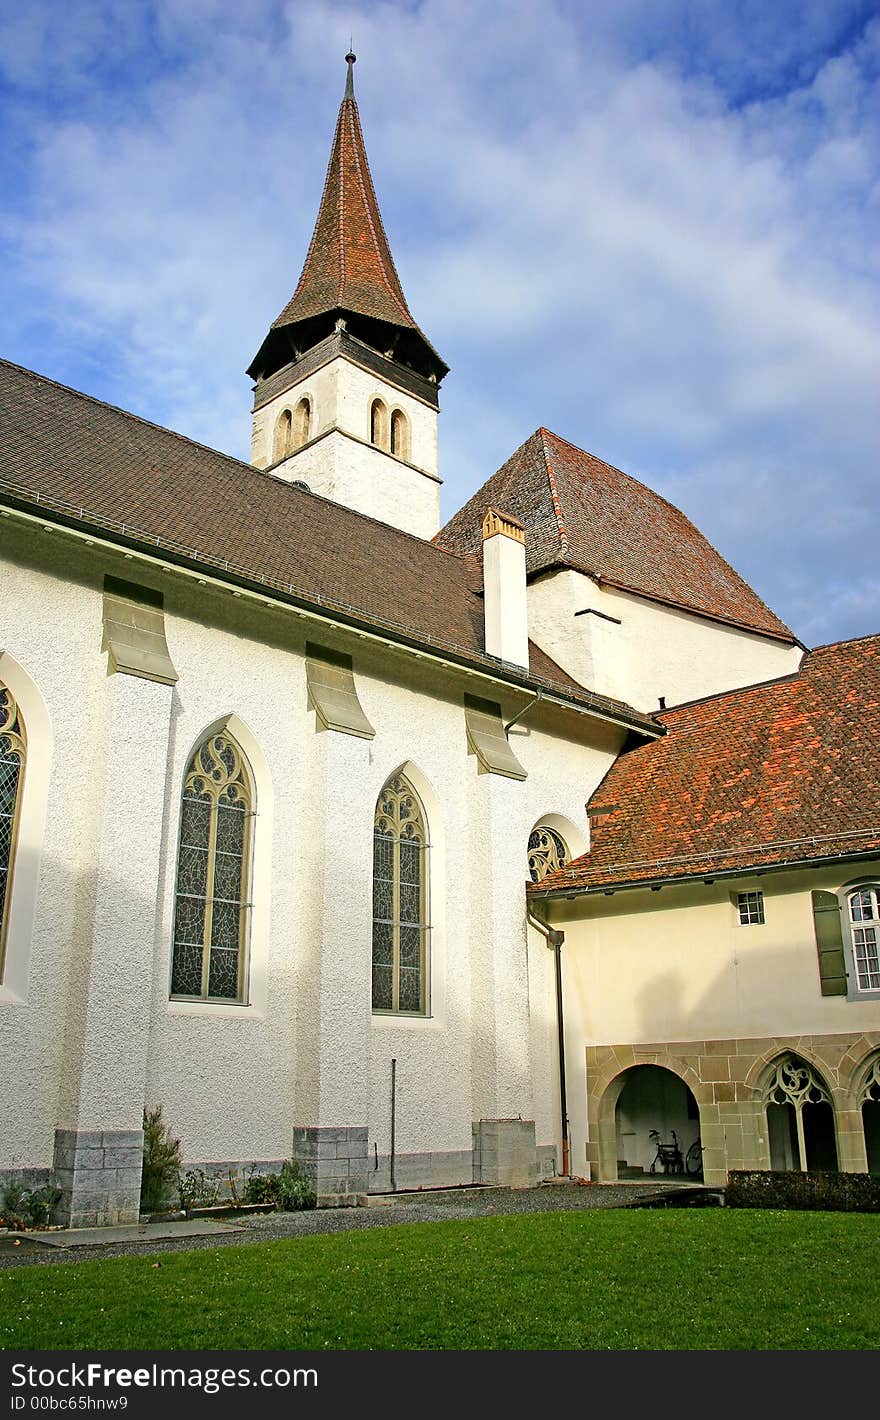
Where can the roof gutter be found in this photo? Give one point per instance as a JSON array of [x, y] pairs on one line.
[[187, 563], [568, 894]]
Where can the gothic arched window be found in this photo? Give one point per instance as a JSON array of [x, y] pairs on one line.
[[13, 752], [283, 436], [302, 423], [379, 424], [800, 1117], [399, 434], [547, 852], [400, 900], [211, 911]]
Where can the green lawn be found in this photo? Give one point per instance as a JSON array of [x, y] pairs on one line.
[[618, 1280]]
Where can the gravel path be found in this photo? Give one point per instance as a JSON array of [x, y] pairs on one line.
[[402, 1208]]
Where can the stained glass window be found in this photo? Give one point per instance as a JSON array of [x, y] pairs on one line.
[[211, 911], [12, 761], [400, 898], [547, 851]]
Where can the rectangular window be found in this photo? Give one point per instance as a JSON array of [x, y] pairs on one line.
[[864, 911], [750, 906]]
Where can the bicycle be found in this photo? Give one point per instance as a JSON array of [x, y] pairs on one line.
[[693, 1159], [668, 1155]]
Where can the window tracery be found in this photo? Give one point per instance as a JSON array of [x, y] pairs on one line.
[[400, 898], [547, 852], [13, 753], [213, 868]]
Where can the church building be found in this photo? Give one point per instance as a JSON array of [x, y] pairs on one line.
[[422, 855]]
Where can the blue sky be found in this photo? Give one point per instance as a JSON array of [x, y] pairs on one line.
[[649, 225]]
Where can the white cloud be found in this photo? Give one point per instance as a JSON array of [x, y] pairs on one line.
[[656, 238]]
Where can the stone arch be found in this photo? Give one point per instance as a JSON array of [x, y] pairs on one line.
[[866, 1082], [609, 1087], [31, 828], [798, 1105]]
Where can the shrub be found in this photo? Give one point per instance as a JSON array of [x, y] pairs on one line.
[[161, 1165], [834, 1192], [287, 1190]]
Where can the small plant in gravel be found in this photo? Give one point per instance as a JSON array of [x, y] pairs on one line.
[[161, 1165], [198, 1189]]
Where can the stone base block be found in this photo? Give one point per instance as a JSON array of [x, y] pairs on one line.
[[99, 1174], [428, 1170], [505, 1153], [334, 1160]]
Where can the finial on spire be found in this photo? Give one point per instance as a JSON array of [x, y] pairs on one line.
[[351, 60]]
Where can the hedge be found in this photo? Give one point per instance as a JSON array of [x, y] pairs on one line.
[[834, 1192]]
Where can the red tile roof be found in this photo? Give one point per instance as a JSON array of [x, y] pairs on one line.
[[582, 513], [778, 773], [62, 452]]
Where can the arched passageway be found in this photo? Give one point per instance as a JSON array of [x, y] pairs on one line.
[[655, 1107]]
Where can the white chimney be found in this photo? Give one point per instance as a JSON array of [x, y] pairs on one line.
[[504, 588]]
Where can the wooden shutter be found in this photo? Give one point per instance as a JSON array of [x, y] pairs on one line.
[[829, 943]]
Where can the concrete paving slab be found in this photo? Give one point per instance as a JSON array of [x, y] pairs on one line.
[[134, 1233]]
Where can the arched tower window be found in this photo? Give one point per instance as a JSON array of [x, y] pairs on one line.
[[211, 913], [379, 424], [400, 900], [400, 434], [13, 753], [800, 1117], [302, 423], [548, 850], [283, 436]]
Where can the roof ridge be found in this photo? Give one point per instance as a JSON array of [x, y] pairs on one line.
[[360, 152], [564, 544], [845, 641], [786, 679]]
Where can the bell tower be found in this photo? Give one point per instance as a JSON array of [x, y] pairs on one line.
[[346, 384]]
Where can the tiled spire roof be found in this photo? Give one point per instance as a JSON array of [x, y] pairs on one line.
[[349, 267]]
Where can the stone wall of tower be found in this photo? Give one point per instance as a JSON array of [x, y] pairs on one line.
[[339, 461]]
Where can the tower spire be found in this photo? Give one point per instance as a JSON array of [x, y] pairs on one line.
[[349, 272]]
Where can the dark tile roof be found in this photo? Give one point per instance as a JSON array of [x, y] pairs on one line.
[[582, 513], [88, 461], [349, 265], [783, 772]]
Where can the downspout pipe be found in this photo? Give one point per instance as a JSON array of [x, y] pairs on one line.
[[555, 940]]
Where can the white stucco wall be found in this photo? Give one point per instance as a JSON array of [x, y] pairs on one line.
[[305, 1048], [648, 650]]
